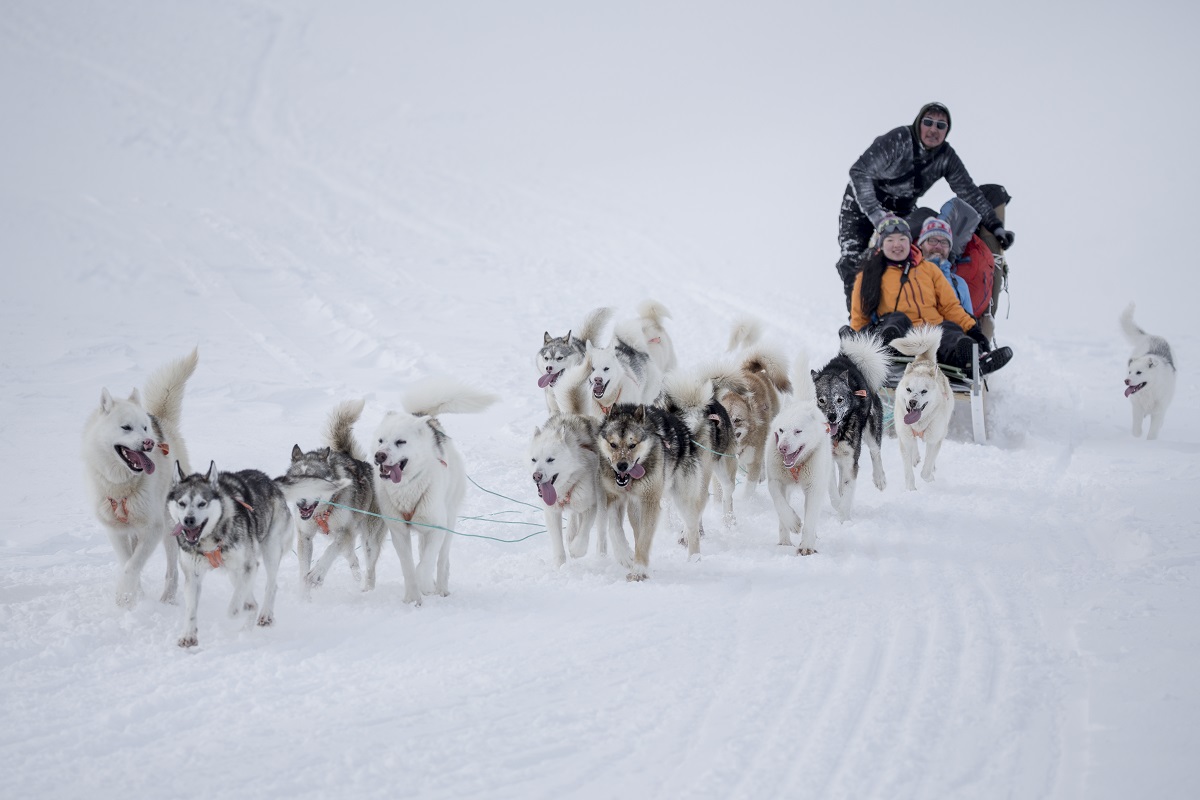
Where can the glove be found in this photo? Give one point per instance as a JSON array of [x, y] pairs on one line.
[[1004, 237], [978, 336]]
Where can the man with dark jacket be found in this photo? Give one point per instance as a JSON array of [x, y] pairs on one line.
[[891, 176]]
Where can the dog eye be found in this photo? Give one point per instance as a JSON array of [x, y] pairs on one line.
[[841, 400], [201, 504], [549, 460], [399, 442], [127, 427], [820, 401]]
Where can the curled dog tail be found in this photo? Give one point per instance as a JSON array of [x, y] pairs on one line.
[[770, 364], [802, 379], [434, 396], [921, 342], [654, 312], [869, 354], [746, 331], [164, 401], [1130, 328], [339, 434], [593, 325], [688, 397]]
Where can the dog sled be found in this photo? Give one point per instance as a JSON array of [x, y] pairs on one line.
[[967, 389]]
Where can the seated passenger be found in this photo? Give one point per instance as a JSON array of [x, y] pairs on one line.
[[897, 288], [936, 241]]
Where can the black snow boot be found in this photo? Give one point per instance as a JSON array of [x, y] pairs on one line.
[[990, 362]]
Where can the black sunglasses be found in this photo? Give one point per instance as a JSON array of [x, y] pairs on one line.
[[940, 123]]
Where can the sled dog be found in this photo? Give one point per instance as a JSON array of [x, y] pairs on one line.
[[659, 345], [847, 393], [128, 450], [421, 480], [1150, 380], [566, 471], [750, 393], [801, 458], [924, 402], [229, 520], [560, 353], [647, 452], [344, 482]]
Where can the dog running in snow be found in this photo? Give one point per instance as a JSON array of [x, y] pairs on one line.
[[421, 480], [848, 394], [230, 521], [1150, 377], [344, 482], [801, 458], [924, 402], [566, 470], [560, 353], [128, 450], [647, 452]]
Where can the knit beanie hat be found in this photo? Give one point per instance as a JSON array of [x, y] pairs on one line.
[[892, 224], [935, 226]]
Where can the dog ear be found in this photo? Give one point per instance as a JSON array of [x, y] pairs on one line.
[[568, 337], [640, 414], [325, 453], [546, 337], [106, 400], [814, 374], [178, 472], [211, 475], [297, 453], [135, 397]]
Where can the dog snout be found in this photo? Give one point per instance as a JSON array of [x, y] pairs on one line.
[[380, 457], [189, 521], [622, 466], [537, 477], [147, 445], [1127, 381]]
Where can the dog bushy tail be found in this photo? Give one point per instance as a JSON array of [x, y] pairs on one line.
[[921, 342], [164, 401], [688, 395], [441, 395], [593, 325], [746, 332], [769, 363], [654, 312], [339, 434], [1130, 328], [869, 354], [805, 389]]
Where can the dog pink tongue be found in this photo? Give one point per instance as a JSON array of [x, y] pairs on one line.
[[912, 416], [549, 496], [395, 473], [142, 460], [1130, 390], [545, 380], [177, 530], [637, 471]]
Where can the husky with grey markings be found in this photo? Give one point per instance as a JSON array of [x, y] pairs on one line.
[[848, 394], [229, 521], [560, 353], [647, 452], [421, 480], [801, 459], [924, 402], [128, 450], [345, 483], [566, 471], [1150, 377]]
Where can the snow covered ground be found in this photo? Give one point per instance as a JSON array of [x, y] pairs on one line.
[[335, 202]]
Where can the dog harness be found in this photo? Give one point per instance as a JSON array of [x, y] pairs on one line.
[[608, 408], [123, 514], [322, 519], [214, 558]]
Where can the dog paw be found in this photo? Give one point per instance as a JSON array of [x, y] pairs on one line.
[[694, 558], [927, 478], [312, 580], [806, 551], [880, 482], [412, 598], [168, 598], [188, 640], [126, 600], [635, 577], [266, 620], [356, 573]]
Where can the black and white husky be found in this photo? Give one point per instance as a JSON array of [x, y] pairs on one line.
[[566, 471], [128, 450], [848, 394], [801, 459], [1150, 379], [924, 402], [229, 521], [345, 482], [421, 480], [560, 353], [647, 452]]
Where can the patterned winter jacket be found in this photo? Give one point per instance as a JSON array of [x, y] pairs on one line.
[[896, 170], [926, 296]]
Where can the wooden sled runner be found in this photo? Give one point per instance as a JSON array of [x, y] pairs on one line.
[[965, 388]]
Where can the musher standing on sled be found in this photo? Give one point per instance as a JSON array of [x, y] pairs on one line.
[[891, 176]]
